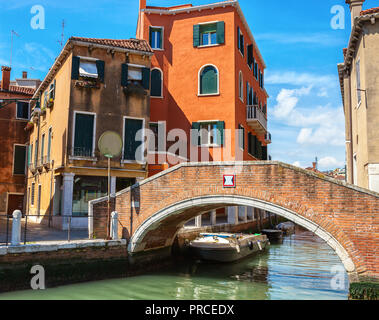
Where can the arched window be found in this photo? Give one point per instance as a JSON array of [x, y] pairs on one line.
[[156, 83], [208, 82], [241, 86]]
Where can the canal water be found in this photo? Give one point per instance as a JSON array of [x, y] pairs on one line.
[[302, 267]]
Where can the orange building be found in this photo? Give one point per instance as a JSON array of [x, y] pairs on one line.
[[207, 74]]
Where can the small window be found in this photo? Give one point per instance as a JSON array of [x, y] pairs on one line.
[[49, 144], [208, 34], [156, 83], [22, 110], [134, 73], [241, 41], [42, 147], [358, 79], [84, 133], [88, 69], [241, 86], [33, 194], [133, 139], [209, 80], [241, 137], [153, 146], [208, 134], [156, 37], [19, 160]]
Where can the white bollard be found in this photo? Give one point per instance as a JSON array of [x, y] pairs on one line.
[[16, 228], [114, 225]]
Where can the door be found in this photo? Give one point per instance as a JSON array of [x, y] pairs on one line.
[[15, 202]]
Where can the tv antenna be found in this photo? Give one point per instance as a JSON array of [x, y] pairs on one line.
[[62, 35], [12, 33]]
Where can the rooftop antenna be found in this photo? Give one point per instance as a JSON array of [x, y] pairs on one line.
[[316, 160], [12, 33], [62, 35]]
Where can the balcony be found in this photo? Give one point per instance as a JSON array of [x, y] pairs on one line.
[[40, 164], [268, 137], [257, 119], [32, 167], [46, 162]]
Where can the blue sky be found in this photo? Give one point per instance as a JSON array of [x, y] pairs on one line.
[[299, 46]]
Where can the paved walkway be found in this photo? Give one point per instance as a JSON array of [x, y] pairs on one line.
[[36, 233]]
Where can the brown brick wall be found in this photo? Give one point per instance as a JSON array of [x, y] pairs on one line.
[[348, 213]]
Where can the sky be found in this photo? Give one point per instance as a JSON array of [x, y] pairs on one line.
[[298, 40]]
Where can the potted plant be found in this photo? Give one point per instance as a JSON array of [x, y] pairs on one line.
[[50, 104], [29, 125]]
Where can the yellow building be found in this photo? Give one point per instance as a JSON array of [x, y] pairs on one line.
[[94, 86], [359, 79]]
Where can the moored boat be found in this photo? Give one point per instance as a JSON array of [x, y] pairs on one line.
[[227, 247], [273, 235]]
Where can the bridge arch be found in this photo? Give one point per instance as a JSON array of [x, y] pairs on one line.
[[136, 242], [152, 212]]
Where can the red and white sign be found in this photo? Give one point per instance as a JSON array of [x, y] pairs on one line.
[[229, 181]]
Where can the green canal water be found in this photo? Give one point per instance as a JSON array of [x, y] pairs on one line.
[[303, 267]]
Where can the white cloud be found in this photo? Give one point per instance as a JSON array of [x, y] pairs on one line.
[[297, 164], [319, 39], [330, 163], [287, 101], [301, 79]]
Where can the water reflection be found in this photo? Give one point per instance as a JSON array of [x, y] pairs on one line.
[[300, 268]]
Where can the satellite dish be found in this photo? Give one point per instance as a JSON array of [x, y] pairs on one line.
[[110, 144]]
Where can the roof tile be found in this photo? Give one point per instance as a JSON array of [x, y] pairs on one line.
[[370, 11]]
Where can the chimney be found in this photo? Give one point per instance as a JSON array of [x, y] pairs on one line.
[[5, 77], [355, 9], [24, 75], [142, 4], [314, 165]]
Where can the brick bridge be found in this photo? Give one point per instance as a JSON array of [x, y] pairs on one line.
[[345, 216]]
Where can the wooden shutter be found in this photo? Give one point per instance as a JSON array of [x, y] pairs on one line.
[[150, 37], [156, 83], [196, 35], [221, 32], [54, 86], [19, 159], [220, 132], [75, 68], [195, 137], [83, 140], [100, 64], [146, 78], [208, 80], [249, 143], [124, 75], [132, 126], [238, 38], [264, 153], [250, 55]]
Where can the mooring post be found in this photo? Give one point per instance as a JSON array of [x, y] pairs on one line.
[[16, 228], [114, 225]]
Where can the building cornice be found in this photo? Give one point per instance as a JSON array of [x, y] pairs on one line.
[[223, 4]]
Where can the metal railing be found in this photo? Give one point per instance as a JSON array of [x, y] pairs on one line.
[[268, 137], [82, 152], [255, 113]]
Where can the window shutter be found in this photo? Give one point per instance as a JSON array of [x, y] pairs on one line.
[[250, 55], [150, 37], [83, 140], [220, 132], [221, 32], [247, 93], [30, 148], [195, 137], [100, 64], [53, 93], [238, 38], [75, 68], [249, 142], [156, 83], [196, 35], [146, 78], [19, 160], [264, 153], [131, 144], [251, 102], [124, 75]]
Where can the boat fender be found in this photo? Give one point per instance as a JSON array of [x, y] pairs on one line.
[[259, 245], [251, 245]]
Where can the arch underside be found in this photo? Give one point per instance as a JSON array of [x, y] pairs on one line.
[[179, 213]]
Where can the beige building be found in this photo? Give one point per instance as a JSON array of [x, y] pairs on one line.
[[359, 79], [94, 86]]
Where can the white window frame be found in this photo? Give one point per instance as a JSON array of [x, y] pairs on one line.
[[123, 138], [151, 72], [93, 136], [26, 158], [208, 145], [199, 81], [28, 111], [162, 30], [240, 86]]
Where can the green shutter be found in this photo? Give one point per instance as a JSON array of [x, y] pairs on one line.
[[146, 78], [196, 35], [221, 32], [208, 80], [156, 83], [53, 93], [150, 36], [220, 132], [49, 145], [132, 126], [19, 160], [75, 68], [195, 137], [83, 140], [124, 75], [100, 64], [30, 154]]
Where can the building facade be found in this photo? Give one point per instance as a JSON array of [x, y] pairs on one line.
[[94, 86], [359, 80], [14, 116], [207, 76]]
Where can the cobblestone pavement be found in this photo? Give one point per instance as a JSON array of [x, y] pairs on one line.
[[36, 233]]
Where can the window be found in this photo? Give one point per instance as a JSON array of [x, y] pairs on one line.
[[208, 34], [49, 144], [135, 74], [51, 92], [254, 146], [35, 152], [156, 83], [19, 159], [33, 193], [42, 147], [256, 70], [249, 94], [154, 144], [156, 37], [84, 134], [240, 40], [358, 75], [88, 68], [22, 110], [133, 137], [241, 86], [250, 56], [210, 134], [208, 81], [241, 137], [30, 154]]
